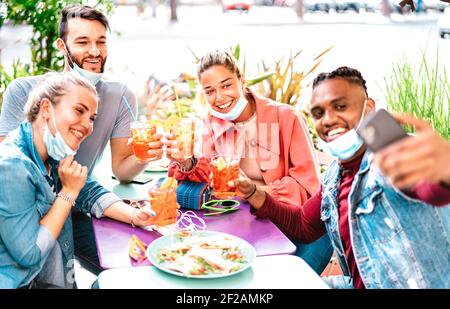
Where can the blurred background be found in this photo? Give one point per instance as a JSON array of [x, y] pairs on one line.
[[279, 43]]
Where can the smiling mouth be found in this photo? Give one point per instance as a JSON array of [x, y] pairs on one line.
[[77, 134], [225, 106], [335, 133], [92, 63]]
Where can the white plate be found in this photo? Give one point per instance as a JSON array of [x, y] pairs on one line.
[[166, 241]]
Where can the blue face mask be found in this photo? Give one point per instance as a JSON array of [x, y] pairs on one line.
[[92, 77], [56, 146], [345, 146], [232, 114]]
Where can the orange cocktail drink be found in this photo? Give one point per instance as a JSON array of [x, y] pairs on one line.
[[225, 168], [183, 132], [163, 200], [142, 133]]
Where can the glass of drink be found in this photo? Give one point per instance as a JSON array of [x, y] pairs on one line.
[[163, 200], [183, 132], [142, 133], [225, 168]]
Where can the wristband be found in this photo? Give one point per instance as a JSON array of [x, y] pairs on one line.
[[193, 161], [67, 198], [251, 194], [132, 217]]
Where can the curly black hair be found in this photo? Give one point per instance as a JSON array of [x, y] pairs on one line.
[[351, 75]]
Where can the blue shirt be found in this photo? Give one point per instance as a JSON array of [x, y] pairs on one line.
[[27, 193], [397, 241]]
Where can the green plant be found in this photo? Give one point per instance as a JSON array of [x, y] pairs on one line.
[[18, 70], [423, 92], [43, 17], [286, 83]]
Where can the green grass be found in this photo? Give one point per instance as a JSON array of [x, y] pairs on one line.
[[423, 92]]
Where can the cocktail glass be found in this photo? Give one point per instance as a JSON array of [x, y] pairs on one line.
[[142, 133], [183, 131], [225, 168], [164, 204]]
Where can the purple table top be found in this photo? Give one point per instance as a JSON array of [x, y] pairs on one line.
[[112, 236]]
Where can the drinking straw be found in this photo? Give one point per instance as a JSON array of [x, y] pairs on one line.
[[177, 103], [129, 108]]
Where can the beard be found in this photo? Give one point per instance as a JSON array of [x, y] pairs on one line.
[[79, 62]]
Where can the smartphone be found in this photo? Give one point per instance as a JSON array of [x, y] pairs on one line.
[[379, 129], [139, 179]]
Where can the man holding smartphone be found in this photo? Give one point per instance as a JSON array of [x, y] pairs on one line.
[[384, 236]]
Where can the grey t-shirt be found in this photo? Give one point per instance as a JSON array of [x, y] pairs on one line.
[[113, 118]]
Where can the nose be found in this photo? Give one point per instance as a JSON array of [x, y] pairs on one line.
[[219, 94], [87, 124], [94, 51], [328, 118]]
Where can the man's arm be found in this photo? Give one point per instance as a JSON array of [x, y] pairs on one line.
[[299, 222], [125, 166], [14, 100]]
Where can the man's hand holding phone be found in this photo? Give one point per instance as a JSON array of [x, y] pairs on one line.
[[419, 158]]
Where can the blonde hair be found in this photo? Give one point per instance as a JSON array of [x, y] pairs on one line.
[[218, 57], [53, 87]]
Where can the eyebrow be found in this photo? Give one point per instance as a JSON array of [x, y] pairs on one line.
[[338, 99], [318, 105], [103, 37], [221, 82], [86, 108]]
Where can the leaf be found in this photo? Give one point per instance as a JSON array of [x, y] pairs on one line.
[[323, 53], [197, 59], [237, 51], [259, 78]]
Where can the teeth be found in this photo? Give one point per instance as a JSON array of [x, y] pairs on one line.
[[336, 131], [225, 105], [77, 133]]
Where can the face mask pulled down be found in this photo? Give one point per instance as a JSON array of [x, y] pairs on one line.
[[56, 146], [234, 113]]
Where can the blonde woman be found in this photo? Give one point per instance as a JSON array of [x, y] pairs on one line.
[[41, 183]]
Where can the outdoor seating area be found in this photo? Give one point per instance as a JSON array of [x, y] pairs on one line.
[[259, 146]]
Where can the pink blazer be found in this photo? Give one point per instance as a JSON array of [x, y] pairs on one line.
[[285, 153]]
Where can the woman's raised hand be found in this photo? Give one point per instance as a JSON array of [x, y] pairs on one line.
[[72, 175]]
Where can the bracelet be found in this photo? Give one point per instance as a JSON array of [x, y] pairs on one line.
[[67, 198], [251, 194], [132, 217]]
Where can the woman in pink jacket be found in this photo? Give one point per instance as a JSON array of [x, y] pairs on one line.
[[272, 138]]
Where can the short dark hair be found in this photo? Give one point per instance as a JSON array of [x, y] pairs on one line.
[[79, 11], [350, 75]]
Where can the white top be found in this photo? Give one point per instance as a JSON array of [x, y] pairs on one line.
[[266, 272]]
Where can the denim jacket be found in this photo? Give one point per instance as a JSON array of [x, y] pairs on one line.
[[26, 194], [398, 242]]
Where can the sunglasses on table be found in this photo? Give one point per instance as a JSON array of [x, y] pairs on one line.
[[218, 207], [136, 203]]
